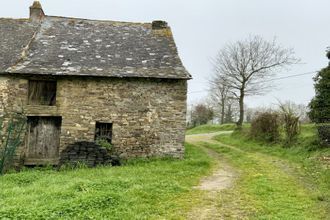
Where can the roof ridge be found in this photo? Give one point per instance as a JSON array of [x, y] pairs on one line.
[[17, 19], [97, 20]]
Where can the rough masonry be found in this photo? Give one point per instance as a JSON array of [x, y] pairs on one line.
[[125, 74]]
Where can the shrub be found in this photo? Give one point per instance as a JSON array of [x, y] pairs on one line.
[[266, 126], [323, 131], [104, 143], [290, 122]]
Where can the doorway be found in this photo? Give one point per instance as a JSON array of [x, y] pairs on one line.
[[43, 140]]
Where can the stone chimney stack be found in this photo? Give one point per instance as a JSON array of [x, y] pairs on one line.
[[36, 12], [159, 25]]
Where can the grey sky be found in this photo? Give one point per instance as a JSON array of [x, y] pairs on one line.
[[202, 27]]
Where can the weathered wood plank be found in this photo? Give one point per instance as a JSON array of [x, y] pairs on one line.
[[43, 139]]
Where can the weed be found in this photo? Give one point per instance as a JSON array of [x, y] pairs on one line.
[[140, 189]]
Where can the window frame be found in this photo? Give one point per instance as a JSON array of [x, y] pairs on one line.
[[47, 98], [107, 131]]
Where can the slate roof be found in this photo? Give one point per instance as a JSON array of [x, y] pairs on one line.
[[71, 46], [15, 34]]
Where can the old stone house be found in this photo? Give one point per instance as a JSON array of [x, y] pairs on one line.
[[79, 79]]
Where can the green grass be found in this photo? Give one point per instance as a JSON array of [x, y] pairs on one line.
[[305, 153], [265, 191], [211, 128], [156, 189], [276, 182], [272, 183]]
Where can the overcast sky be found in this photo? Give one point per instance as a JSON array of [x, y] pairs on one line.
[[202, 27]]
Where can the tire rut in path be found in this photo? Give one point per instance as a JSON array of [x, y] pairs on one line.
[[221, 178]]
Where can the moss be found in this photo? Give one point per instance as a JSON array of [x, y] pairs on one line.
[[36, 4], [165, 32], [15, 19]]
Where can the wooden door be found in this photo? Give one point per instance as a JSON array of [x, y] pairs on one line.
[[43, 140]]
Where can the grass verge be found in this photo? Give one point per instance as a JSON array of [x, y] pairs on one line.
[[277, 182], [210, 128], [156, 189]]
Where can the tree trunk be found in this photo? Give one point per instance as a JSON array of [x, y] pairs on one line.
[[241, 109], [229, 115], [222, 112]]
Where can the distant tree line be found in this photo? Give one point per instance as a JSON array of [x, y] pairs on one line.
[[200, 114], [246, 68]]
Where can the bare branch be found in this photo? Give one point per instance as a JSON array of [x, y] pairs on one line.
[[245, 67]]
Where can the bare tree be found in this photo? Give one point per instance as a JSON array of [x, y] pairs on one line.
[[231, 110], [223, 100], [219, 93], [299, 110], [247, 66], [201, 114]]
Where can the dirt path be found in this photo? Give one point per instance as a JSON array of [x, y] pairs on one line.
[[221, 178], [257, 188]]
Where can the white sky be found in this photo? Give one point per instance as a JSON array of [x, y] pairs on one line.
[[202, 27]]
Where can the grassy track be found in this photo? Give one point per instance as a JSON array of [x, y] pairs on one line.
[[304, 158], [266, 189], [159, 189], [274, 182]]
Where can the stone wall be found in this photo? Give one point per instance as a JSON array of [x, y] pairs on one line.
[[3, 93], [148, 115]]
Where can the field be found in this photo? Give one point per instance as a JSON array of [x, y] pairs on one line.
[[271, 182], [160, 188], [274, 182]]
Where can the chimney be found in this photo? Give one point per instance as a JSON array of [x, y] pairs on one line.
[[36, 12], [159, 24]]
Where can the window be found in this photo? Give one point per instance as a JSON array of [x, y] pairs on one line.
[[103, 131], [42, 92]]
